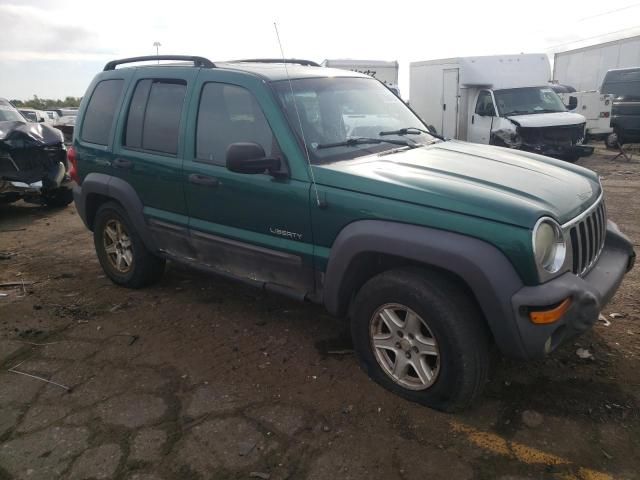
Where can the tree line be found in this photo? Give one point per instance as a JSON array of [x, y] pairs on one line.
[[47, 103]]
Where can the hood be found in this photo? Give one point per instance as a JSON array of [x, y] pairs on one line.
[[501, 184], [555, 119], [25, 135]]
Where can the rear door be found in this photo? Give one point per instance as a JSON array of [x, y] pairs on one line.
[[482, 118], [149, 148], [450, 103], [251, 226]]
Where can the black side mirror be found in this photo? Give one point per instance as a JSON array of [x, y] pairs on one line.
[[250, 158], [41, 120], [573, 103]]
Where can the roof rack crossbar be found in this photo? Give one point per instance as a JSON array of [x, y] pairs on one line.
[[299, 61], [197, 61]]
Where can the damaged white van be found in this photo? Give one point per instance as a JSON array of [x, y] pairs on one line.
[[500, 100]]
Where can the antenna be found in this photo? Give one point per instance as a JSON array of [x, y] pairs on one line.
[[295, 106]]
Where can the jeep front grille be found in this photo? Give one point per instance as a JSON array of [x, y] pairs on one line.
[[587, 233]]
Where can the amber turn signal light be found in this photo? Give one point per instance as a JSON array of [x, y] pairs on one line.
[[543, 317]]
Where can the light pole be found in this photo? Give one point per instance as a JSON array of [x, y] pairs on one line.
[[157, 45]]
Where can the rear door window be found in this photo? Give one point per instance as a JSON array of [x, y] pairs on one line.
[[98, 118], [153, 120]]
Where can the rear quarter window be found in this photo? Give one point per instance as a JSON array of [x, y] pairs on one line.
[[98, 118]]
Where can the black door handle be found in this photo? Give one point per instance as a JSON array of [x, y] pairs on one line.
[[203, 180], [472, 119], [122, 163], [444, 106]]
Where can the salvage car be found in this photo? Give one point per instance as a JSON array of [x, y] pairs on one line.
[[433, 250], [33, 161]]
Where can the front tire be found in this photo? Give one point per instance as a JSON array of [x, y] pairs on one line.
[[421, 336], [121, 252]]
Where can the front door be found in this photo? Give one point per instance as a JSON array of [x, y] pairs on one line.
[[250, 226], [450, 103], [482, 118]]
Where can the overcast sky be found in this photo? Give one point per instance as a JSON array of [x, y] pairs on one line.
[[53, 48]]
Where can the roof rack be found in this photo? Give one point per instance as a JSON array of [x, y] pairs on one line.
[[306, 63], [197, 61]]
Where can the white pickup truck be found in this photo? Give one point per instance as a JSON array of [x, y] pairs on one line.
[[500, 100]]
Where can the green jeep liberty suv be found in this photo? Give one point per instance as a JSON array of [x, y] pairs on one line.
[[322, 185]]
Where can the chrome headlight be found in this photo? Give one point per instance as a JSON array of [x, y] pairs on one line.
[[549, 245]]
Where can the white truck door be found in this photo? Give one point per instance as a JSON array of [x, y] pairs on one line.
[[482, 117], [450, 103]]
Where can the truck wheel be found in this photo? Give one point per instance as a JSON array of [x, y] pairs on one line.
[[611, 140], [571, 158], [121, 252], [60, 197], [422, 337]]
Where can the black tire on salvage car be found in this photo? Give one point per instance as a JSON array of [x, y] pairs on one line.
[[420, 335], [58, 198], [121, 252]]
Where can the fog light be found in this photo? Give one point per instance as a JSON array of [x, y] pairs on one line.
[[544, 317]]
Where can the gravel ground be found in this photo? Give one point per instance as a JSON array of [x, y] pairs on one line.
[[198, 377]]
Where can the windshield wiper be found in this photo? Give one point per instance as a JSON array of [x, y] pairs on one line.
[[352, 142], [411, 131], [518, 112]]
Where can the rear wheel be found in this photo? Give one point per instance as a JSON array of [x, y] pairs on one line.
[[419, 335], [122, 254], [60, 197]]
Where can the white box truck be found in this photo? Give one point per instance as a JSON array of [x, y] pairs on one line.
[[500, 100], [585, 68], [385, 71]]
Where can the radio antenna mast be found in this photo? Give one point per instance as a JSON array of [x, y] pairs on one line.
[[295, 106]]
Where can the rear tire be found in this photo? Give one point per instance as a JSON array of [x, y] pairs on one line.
[[58, 198], [450, 341], [122, 254]]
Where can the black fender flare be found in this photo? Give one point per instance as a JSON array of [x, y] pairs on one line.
[[119, 190], [486, 270]]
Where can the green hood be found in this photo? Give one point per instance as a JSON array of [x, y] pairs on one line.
[[496, 183]]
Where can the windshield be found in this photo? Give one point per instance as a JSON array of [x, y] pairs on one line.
[[8, 113], [334, 110], [524, 101]]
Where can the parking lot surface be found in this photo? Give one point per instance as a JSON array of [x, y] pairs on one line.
[[201, 378]]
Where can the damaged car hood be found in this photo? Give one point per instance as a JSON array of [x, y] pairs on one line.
[[500, 184], [555, 119], [31, 152], [24, 135]]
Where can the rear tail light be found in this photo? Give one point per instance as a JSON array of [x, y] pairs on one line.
[[604, 114], [73, 165]]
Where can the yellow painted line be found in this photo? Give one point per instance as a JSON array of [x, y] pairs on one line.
[[523, 453]]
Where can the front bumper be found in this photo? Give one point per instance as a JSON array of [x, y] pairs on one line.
[[589, 296], [559, 150]]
